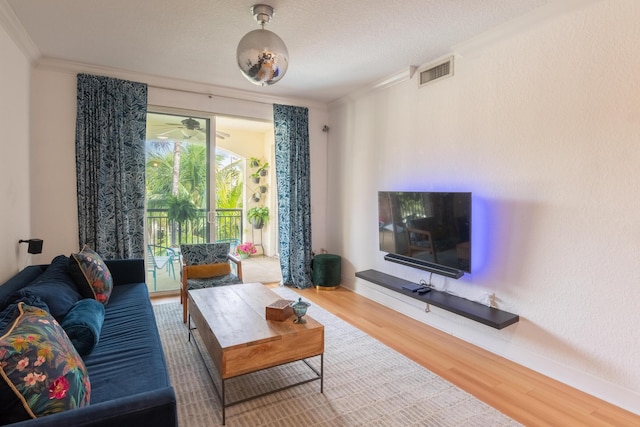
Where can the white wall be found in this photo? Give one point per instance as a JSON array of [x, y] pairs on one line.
[[543, 127], [14, 146], [53, 189]]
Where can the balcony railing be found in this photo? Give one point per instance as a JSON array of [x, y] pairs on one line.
[[161, 231]]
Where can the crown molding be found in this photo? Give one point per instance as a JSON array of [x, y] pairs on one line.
[[169, 83], [384, 83], [10, 22], [518, 25], [476, 44]]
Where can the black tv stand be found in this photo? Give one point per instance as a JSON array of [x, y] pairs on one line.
[[489, 316]]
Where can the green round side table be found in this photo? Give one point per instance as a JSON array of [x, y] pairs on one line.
[[327, 271]]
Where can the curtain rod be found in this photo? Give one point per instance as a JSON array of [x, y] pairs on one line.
[[210, 95]]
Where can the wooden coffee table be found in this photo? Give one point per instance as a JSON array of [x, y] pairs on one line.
[[231, 323]]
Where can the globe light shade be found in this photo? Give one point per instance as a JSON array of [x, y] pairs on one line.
[[262, 57]]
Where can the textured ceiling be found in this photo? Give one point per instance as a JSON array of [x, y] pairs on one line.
[[335, 46]]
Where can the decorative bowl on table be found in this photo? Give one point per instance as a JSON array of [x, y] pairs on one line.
[[300, 309]]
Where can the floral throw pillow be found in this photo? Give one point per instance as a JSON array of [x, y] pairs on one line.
[[40, 371], [91, 275]]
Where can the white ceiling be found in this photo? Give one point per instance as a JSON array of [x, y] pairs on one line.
[[335, 46]]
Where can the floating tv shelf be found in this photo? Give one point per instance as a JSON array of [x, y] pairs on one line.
[[489, 316]]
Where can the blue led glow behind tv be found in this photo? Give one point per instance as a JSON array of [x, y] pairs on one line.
[[427, 230]]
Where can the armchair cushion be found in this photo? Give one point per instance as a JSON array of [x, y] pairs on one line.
[[208, 270], [199, 254], [229, 279], [202, 260]]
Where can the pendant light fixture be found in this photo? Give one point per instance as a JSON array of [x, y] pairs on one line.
[[262, 55]]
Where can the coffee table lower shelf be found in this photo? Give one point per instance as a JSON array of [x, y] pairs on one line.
[[319, 375]]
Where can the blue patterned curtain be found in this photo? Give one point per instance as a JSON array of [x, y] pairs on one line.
[[294, 201], [110, 165]]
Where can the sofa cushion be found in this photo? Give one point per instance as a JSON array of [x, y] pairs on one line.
[[128, 359], [83, 324], [9, 314], [42, 373], [17, 282], [91, 275], [55, 287]]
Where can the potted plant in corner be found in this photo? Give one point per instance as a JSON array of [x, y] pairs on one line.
[[263, 169], [254, 162], [258, 216]]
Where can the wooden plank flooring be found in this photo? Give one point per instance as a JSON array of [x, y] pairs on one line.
[[524, 395]]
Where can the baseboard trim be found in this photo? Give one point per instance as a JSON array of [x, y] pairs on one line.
[[464, 329]]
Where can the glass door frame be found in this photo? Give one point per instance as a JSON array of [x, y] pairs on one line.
[[209, 191]]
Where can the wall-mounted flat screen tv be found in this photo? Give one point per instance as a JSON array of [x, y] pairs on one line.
[[427, 230]]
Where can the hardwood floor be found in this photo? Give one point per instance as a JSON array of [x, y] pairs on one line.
[[524, 395]]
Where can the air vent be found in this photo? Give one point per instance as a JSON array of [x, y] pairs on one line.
[[436, 72]]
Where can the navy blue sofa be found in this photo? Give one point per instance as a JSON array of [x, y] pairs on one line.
[[130, 383]]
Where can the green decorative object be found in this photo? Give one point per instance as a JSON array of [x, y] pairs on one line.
[[263, 169], [258, 216], [300, 309], [327, 271]]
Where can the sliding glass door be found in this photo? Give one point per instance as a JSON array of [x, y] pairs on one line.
[[199, 188], [178, 193]]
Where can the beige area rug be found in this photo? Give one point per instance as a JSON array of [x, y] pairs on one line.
[[365, 384], [261, 269]]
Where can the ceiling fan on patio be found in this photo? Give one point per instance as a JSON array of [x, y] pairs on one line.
[[189, 128]]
